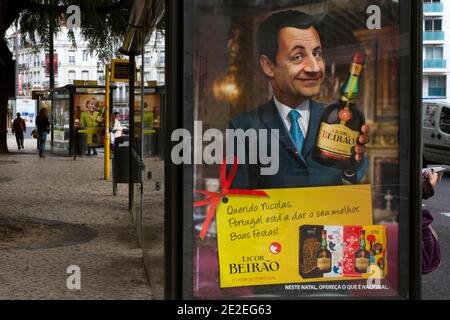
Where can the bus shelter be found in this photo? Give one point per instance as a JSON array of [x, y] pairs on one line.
[[77, 119], [154, 99], [291, 76], [261, 202]]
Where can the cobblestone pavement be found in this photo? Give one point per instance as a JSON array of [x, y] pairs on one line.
[[61, 189]]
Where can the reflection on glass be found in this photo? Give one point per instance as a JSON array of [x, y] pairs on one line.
[[444, 122], [61, 126]]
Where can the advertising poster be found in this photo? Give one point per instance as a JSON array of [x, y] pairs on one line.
[[89, 117], [297, 147], [27, 109]]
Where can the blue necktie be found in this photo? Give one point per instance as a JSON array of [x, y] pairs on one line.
[[296, 132]]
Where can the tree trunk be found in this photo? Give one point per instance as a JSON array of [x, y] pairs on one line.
[[9, 11], [5, 62]]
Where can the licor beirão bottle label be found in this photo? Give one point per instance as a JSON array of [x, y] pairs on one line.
[[336, 140]]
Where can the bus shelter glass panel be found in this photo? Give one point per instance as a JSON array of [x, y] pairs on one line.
[[148, 193], [61, 122], [153, 98], [151, 120], [136, 169], [153, 188], [297, 112]]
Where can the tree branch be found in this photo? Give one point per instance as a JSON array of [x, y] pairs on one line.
[[9, 11], [37, 7]]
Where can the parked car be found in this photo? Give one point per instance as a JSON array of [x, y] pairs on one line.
[[436, 132]]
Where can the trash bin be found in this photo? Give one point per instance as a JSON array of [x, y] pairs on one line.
[[121, 170], [81, 141]]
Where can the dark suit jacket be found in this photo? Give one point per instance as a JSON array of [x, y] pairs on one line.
[[295, 170]]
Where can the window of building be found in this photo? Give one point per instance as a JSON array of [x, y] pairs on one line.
[[434, 52], [433, 24], [72, 60], [85, 75], [162, 57], [437, 86], [435, 1], [85, 55], [72, 76], [161, 77]]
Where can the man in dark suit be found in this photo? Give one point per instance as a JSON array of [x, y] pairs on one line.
[[291, 59]]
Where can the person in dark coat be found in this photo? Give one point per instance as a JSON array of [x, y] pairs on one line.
[[431, 254], [43, 127], [19, 128]]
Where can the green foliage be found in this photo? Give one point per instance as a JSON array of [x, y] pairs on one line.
[[103, 23]]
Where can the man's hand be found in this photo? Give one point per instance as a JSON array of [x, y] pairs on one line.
[[433, 178], [360, 149]]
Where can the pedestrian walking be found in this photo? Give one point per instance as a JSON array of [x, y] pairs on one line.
[[19, 128], [43, 128]]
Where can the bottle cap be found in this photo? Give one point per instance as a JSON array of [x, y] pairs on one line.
[[358, 58]]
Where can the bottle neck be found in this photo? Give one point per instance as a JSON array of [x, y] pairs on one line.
[[324, 243], [362, 243], [350, 89]]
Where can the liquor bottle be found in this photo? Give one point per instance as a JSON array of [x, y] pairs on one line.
[[309, 247], [324, 255], [362, 256], [340, 124]]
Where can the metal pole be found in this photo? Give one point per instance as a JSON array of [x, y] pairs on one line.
[[141, 170], [51, 75], [132, 72], [107, 139]]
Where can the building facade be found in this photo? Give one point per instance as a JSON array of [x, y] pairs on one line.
[[436, 51], [154, 66], [69, 63], [76, 63]]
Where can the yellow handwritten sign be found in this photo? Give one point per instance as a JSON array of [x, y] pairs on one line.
[[259, 238]]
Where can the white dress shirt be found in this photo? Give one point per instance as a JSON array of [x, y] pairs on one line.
[[302, 108]]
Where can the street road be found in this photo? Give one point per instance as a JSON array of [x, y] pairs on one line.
[[436, 285]]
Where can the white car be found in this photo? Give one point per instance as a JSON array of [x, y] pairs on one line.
[[436, 132]]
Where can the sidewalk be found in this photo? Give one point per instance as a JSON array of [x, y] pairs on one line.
[[94, 229]]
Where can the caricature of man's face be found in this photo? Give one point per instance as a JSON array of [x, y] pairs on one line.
[[298, 71]]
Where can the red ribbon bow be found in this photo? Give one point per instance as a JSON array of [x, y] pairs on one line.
[[214, 197]]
